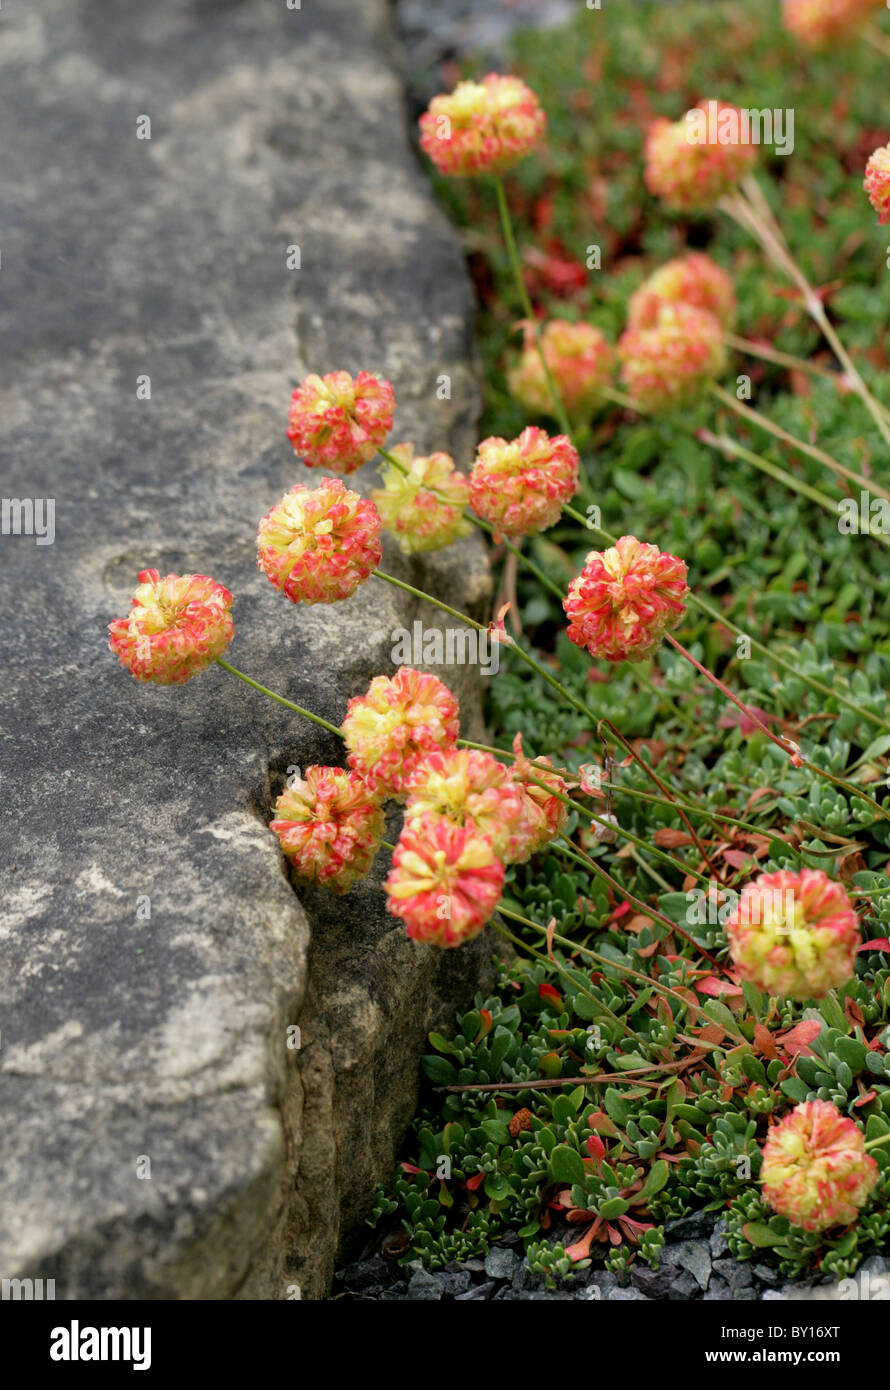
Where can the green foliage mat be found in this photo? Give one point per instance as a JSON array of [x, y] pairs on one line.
[[683, 1132]]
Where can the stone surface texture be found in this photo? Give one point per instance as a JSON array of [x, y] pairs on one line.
[[160, 1139]]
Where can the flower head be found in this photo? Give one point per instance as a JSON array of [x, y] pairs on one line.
[[445, 881], [482, 127], [338, 422], [625, 599], [692, 163], [877, 183], [471, 788], [318, 544], [402, 719], [695, 280], [794, 934], [818, 23], [329, 825], [176, 627], [521, 486], [544, 814], [815, 1169], [581, 362], [424, 507], [667, 364]]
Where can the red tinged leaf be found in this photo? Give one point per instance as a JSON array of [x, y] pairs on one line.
[[486, 1021], [581, 1248], [798, 1038], [736, 859], [879, 943], [620, 911], [763, 1041], [410, 1168], [595, 1147], [552, 995], [714, 985], [601, 1123], [863, 1100], [475, 1181], [666, 838]]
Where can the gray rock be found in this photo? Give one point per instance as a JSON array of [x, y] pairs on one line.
[[655, 1283], [683, 1286], [364, 1274], [626, 1296], [457, 1281], [737, 1274], [766, 1275], [698, 1225], [477, 1293], [718, 1291], [695, 1257], [130, 1039], [718, 1244], [425, 1287], [501, 1263]]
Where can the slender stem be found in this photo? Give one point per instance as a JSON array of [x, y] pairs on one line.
[[764, 423], [480, 627], [874, 36], [516, 267], [729, 446], [752, 210], [873, 1143], [616, 965], [288, 704], [724, 621], [781, 359], [561, 970]]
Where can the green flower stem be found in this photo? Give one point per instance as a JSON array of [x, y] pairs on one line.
[[288, 704], [792, 751], [873, 1143], [725, 445], [763, 422], [481, 627], [516, 268], [716, 616], [779, 358], [561, 970], [618, 965]]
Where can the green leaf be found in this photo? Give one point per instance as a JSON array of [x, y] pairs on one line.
[[757, 1233], [439, 1069], [658, 1176], [615, 1207], [566, 1165]]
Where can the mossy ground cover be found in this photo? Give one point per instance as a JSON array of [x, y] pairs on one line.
[[633, 986]]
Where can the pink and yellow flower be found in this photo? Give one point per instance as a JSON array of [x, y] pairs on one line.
[[667, 364], [544, 815], [695, 280], [471, 788], [339, 422], [521, 486], [625, 599], [176, 627], [445, 882], [815, 1169], [423, 508], [818, 23], [318, 544], [877, 183], [689, 165], [482, 127], [329, 825], [402, 719], [794, 934], [581, 362]]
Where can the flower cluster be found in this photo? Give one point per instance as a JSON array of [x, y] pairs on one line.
[[317, 545], [695, 280], [521, 486], [877, 183], [668, 363], [338, 422], [818, 23], [694, 162], [815, 1169], [176, 627], [423, 506], [329, 825], [794, 934], [625, 599], [482, 127], [391, 729], [580, 360], [445, 881], [471, 788]]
